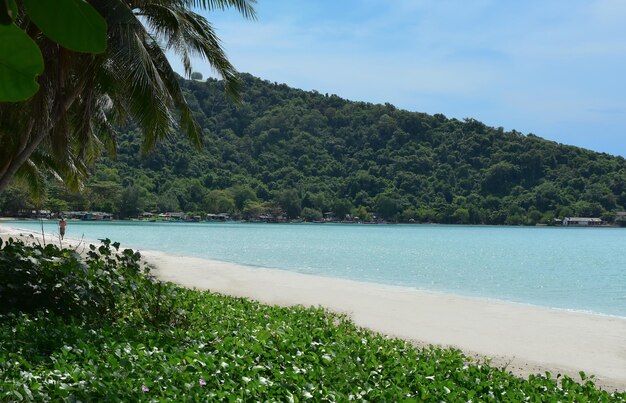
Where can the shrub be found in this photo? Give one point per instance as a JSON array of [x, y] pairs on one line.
[[106, 284]]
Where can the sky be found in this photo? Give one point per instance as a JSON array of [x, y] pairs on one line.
[[554, 68]]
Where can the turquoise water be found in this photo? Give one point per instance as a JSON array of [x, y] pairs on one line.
[[570, 268]]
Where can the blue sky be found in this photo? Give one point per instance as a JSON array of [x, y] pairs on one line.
[[554, 68]]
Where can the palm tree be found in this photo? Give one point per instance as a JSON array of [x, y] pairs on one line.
[[83, 97]]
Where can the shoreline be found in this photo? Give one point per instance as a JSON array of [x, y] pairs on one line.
[[396, 286], [524, 338], [54, 236], [368, 223]]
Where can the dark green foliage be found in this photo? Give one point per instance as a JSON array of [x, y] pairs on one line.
[[341, 207], [74, 24], [15, 199], [218, 201], [303, 149], [35, 278], [387, 206], [157, 341], [131, 202], [311, 214], [289, 201], [20, 61]]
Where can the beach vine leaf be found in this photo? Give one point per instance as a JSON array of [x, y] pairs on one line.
[[73, 24], [20, 64]]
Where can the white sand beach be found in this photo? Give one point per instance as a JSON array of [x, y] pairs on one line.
[[526, 339]]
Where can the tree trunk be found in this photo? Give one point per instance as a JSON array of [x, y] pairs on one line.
[[7, 175], [20, 159]]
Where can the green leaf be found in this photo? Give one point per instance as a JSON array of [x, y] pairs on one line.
[[20, 64], [263, 335], [74, 24], [8, 11]]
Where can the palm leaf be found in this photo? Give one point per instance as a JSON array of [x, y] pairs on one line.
[[83, 97]]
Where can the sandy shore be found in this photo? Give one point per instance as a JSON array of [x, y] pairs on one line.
[[526, 339]]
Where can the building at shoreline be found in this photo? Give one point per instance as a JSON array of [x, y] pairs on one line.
[[582, 222]]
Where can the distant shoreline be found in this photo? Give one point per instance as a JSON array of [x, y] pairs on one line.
[[306, 222], [526, 339]]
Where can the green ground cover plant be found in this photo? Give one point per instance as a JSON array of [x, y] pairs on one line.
[[101, 328]]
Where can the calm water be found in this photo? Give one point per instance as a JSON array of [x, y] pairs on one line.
[[571, 268]]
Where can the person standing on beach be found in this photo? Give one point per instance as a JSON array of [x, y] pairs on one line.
[[62, 225]]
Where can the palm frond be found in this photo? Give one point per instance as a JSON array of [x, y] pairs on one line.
[[34, 180], [187, 122], [244, 7], [188, 33], [83, 97], [141, 87]]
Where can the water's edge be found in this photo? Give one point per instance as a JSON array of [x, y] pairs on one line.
[[34, 226]]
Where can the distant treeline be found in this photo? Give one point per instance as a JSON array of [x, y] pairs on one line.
[[301, 154]]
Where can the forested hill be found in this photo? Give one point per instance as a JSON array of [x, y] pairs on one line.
[[305, 153]]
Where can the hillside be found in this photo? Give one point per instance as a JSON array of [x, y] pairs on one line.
[[304, 153]]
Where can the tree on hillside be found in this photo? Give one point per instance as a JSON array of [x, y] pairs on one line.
[[15, 199], [218, 201], [289, 201], [387, 206], [131, 201], [241, 195], [82, 97]]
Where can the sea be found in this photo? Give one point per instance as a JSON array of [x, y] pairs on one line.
[[579, 269]]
